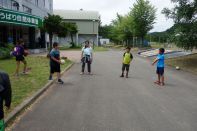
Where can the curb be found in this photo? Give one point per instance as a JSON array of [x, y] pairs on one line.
[[31, 99]]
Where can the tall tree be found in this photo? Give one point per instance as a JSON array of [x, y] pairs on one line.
[[52, 24], [68, 29], [72, 30], [144, 15], [63, 31], [184, 15]]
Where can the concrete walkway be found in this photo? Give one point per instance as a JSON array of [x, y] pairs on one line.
[[106, 102]]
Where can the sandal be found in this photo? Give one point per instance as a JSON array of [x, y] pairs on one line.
[[157, 82], [162, 84]]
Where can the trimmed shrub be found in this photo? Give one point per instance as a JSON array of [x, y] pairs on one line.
[[5, 51]]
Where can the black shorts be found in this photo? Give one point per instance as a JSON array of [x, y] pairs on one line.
[[125, 66], [160, 70], [55, 67], [20, 58]]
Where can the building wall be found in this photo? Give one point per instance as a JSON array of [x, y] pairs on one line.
[[31, 35], [86, 26], [87, 30], [38, 7], [104, 41]]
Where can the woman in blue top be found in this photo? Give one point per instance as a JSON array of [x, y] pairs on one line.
[[160, 60]]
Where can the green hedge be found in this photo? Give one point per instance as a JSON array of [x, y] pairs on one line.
[[5, 51]]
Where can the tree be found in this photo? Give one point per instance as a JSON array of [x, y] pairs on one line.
[[184, 15], [52, 25], [63, 31], [144, 15], [72, 30], [121, 29], [104, 31]]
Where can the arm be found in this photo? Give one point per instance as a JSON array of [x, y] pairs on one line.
[[54, 59], [8, 91], [91, 54], [131, 56], [155, 61], [82, 52], [22, 50]]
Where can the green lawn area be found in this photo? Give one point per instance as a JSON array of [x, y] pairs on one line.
[[68, 48], [96, 48], [26, 85], [187, 63]]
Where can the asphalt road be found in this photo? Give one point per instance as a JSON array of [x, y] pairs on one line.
[[106, 102]]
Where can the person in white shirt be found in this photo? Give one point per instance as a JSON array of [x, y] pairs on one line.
[[86, 57]]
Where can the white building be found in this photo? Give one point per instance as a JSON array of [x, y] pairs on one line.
[[104, 41], [87, 23]]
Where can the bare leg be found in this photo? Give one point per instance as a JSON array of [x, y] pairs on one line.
[[127, 74], [25, 66], [159, 79], [17, 67], [58, 76], [123, 69], [162, 80]]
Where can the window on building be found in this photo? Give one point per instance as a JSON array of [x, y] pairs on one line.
[[5, 3], [47, 4], [14, 5], [1, 3], [44, 3], [27, 9], [36, 2], [51, 6]]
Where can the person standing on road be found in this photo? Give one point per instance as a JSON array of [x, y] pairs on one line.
[[86, 57], [160, 60], [5, 95], [127, 58], [55, 63]]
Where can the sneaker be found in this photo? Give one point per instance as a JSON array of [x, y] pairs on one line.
[[122, 76], [82, 73], [16, 75], [50, 77], [24, 73], [60, 81]]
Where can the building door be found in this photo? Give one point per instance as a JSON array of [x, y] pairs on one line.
[[43, 40], [32, 43], [17, 34]]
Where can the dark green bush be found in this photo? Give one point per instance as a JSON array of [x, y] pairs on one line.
[[5, 51]]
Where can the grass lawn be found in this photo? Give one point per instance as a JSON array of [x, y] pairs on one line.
[[26, 85], [68, 48], [187, 63], [96, 48]]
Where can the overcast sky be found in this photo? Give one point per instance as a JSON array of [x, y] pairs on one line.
[[109, 8]]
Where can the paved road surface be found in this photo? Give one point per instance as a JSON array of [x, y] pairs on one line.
[[105, 102]]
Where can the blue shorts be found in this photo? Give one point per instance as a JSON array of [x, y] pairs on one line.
[[160, 71]]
